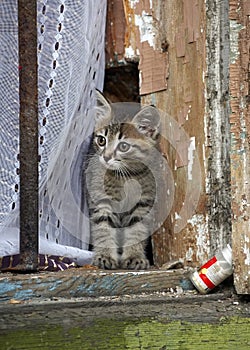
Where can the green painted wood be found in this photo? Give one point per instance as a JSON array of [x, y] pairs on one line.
[[81, 283], [158, 321], [140, 335]]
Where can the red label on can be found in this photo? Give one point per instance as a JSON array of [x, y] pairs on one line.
[[209, 263], [207, 281], [203, 272]]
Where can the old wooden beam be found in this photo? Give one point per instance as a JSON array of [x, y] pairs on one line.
[[27, 36], [160, 321], [240, 144], [85, 283], [218, 110]]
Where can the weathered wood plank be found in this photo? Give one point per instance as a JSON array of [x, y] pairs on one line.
[[185, 232], [80, 283], [240, 149], [162, 321], [125, 335], [197, 98], [115, 33]]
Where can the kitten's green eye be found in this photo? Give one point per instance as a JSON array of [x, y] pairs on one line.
[[123, 146], [101, 141]]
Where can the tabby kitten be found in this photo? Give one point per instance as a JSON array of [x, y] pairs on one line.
[[120, 184]]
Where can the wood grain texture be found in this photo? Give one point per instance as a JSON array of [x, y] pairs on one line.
[[115, 33], [80, 283], [185, 231], [240, 145], [146, 42], [162, 321], [207, 96]]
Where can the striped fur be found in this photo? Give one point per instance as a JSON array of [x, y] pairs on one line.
[[121, 187]]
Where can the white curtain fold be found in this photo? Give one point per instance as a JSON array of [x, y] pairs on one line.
[[71, 38]]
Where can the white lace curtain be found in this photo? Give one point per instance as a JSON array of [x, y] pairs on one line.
[[71, 38]]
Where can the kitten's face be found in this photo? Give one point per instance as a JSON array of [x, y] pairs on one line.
[[121, 146], [123, 138]]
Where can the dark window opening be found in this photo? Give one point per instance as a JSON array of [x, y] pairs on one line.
[[121, 83]]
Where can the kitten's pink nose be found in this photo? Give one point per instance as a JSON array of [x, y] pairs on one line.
[[107, 157]]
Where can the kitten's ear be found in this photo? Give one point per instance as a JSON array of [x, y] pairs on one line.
[[148, 121], [103, 108]]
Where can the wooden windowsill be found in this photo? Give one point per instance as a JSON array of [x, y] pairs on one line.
[[81, 282]]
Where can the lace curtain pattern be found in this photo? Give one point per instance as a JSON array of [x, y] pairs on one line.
[[71, 38]]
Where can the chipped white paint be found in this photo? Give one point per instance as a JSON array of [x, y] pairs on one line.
[[235, 28], [200, 226], [191, 150], [240, 224], [214, 110], [140, 78], [177, 216], [131, 53], [189, 254], [133, 3], [205, 167], [146, 28], [246, 250]]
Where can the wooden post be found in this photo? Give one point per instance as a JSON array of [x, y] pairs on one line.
[[240, 145], [27, 35]]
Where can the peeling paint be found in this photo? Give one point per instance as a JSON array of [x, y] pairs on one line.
[[133, 3], [177, 216], [130, 53], [246, 250], [79, 283], [235, 28], [191, 150], [199, 223], [189, 254], [204, 29], [218, 125], [146, 28], [142, 45], [240, 152]]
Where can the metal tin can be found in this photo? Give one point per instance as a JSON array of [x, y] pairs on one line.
[[214, 271]]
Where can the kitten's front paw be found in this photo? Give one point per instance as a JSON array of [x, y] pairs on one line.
[[105, 261], [135, 263]]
